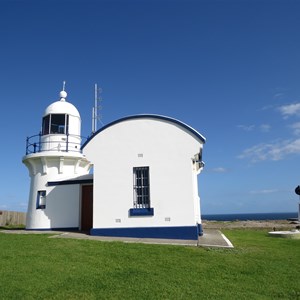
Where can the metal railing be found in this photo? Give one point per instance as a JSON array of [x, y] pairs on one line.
[[34, 144]]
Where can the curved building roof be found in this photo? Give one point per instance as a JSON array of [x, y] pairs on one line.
[[191, 130]]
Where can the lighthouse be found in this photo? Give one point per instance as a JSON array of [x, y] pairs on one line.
[[144, 179], [54, 155]]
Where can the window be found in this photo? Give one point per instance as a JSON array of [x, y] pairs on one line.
[[46, 122], [55, 123], [141, 192], [141, 187], [41, 200]]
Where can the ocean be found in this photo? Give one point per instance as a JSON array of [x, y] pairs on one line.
[[245, 217]]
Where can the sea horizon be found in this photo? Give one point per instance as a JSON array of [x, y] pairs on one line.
[[250, 216]]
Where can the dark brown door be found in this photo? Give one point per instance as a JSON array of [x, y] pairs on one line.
[[87, 207]]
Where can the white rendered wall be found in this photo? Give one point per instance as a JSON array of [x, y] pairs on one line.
[[62, 202], [168, 150]]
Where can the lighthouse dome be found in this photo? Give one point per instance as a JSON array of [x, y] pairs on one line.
[[62, 107], [61, 126]]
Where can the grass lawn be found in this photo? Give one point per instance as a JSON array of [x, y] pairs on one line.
[[39, 267]]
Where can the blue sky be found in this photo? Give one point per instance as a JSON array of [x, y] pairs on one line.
[[230, 69]]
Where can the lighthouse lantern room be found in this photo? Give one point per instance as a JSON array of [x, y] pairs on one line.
[[61, 126]]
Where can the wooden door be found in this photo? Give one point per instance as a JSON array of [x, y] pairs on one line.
[[87, 207]]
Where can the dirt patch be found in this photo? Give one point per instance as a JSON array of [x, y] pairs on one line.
[[268, 224]]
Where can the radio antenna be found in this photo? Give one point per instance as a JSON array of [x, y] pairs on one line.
[[96, 109]]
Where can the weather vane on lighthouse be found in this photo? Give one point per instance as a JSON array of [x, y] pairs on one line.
[[63, 94]]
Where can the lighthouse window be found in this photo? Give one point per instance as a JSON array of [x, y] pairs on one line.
[[41, 200], [55, 123], [58, 122], [46, 122]]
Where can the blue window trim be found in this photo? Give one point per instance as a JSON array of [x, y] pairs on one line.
[[136, 212]]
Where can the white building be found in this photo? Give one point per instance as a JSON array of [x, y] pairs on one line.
[[144, 181]]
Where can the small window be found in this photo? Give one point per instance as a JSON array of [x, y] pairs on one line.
[[41, 200], [55, 123], [58, 122], [46, 122], [141, 187], [141, 192]]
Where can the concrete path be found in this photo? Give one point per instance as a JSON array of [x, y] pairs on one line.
[[79, 235], [214, 238], [210, 238]]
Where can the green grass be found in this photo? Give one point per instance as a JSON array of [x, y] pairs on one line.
[[13, 227], [39, 267]]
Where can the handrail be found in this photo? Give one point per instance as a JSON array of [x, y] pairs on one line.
[[34, 143]]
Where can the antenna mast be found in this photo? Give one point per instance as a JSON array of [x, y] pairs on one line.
[[96, 109]]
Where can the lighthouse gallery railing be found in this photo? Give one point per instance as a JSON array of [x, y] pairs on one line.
[[34, 144]]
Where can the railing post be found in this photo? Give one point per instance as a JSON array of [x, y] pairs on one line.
[[27, 140], [67, 146], [40, 141]]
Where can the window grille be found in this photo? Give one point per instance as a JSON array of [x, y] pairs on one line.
[[141, 187]]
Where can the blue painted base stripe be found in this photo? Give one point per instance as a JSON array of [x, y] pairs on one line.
[[180, 232]]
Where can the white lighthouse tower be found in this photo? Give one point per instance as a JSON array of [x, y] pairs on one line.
[[55, 155]]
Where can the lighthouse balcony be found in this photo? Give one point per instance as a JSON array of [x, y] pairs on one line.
[[54, 142]]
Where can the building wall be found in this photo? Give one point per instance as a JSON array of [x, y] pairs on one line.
[[63, 205], [168, 150]]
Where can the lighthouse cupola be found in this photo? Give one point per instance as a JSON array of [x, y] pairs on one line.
[[61, 126]]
